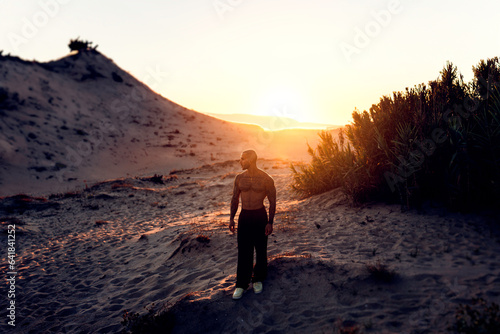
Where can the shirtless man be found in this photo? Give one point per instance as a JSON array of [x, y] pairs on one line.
[[253, 185]]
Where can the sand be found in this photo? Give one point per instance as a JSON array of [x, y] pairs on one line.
[[84, 258]]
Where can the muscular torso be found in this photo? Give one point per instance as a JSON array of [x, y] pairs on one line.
[[253, 190]]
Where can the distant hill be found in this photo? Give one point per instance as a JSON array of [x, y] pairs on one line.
[[81, 119], [272, 122]]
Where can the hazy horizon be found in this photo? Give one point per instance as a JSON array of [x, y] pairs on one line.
[[272, 123]]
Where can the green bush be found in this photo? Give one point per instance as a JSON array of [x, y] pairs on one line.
[[80, 45], [437, 141]]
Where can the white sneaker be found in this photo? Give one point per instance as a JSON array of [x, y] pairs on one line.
[[238, 293], [257, 287]]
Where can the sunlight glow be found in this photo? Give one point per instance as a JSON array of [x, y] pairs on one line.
[[280, 102], [253, 57]]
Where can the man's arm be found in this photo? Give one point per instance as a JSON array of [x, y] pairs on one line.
[[235, 202], [271, 196]]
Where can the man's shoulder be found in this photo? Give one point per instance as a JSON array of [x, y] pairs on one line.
[[239, 176], [266, 176]]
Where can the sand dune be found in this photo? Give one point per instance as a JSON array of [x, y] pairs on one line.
[[83, 119], [126, 244]]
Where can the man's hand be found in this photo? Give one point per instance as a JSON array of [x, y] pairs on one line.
[[269, 229], [231, 226]]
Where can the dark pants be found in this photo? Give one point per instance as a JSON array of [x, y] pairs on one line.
[[251, 235]]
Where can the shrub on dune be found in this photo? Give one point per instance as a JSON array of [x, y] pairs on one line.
[[437, 141]]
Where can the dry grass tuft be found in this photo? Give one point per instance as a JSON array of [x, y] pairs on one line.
[[380, 272]]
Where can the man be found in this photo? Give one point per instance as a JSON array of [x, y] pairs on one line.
[[253, 185]]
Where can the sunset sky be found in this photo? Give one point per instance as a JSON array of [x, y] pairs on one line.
[[312, 60]]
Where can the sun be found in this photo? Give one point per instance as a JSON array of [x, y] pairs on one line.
[[281, 102]]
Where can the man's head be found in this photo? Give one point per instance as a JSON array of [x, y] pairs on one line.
[[248, 158]]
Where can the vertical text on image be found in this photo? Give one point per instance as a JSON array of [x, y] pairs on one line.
[[11, 274]]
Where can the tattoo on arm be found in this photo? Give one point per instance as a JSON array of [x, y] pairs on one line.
[[235, 200], [271, 196]]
